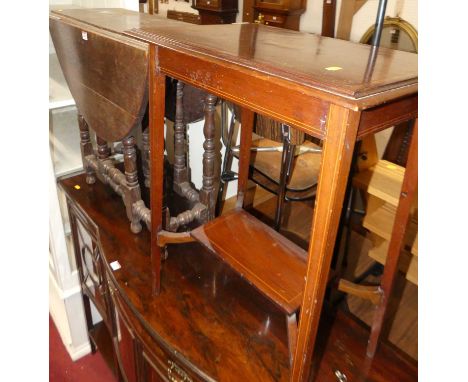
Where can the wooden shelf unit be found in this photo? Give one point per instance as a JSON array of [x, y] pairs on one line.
[[382, 180], [383, 184], [379, 219]]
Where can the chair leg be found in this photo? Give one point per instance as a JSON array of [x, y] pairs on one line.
[[286, 167], [132, 194]]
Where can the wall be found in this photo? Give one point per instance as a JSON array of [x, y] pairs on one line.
[[311, 20]]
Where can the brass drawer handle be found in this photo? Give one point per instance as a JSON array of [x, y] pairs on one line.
[[176, 374], [341, 377]]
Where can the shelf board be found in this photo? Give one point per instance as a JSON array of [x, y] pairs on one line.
[[408, 263], [266, 259], [383, 180], [380, 217]]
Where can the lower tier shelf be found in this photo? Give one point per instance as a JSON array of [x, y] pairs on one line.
[[266, 259]]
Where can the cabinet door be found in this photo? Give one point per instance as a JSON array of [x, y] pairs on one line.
[[89, 261], [152, 372], [125, 347], [125, 343]]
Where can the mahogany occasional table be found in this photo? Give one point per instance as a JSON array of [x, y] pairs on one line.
[[334, 90]]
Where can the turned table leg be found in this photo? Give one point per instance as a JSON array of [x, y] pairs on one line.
[[180, 167], [103, 149], [86, 149], [131, 175], [208, 191]]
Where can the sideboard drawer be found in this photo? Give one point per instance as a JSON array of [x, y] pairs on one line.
[[159, 366]]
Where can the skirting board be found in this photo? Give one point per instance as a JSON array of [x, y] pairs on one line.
[[66, 310]]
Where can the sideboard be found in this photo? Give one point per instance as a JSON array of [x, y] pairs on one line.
[[208, 324]]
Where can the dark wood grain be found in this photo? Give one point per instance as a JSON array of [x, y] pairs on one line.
[[206, 317], [107, 75], [103, 149], [209, 185], [133, 192], [180, 168], [209, 320]]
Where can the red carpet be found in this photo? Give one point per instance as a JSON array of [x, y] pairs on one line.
[[91, 368]]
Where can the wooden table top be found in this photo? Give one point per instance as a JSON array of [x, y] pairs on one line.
[[114, 19], [329, 65], [325, 64]]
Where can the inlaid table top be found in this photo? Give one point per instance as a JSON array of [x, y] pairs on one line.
[[338, 67]]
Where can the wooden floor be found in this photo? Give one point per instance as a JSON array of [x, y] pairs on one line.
[[403, 322]]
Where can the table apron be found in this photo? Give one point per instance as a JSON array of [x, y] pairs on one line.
[[264, 94], [386, 115]]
